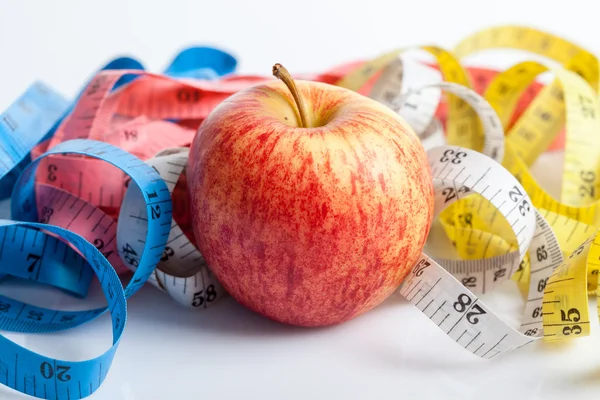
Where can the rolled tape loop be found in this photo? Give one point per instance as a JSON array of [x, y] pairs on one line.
[[153, 194], [40, 376], [445, 291], [484, 237], [492, 129], [66, 236], [45, 377]]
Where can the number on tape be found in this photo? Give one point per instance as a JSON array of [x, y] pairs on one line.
[[182, 272]]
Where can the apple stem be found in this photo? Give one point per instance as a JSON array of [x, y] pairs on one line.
[[281, 73]]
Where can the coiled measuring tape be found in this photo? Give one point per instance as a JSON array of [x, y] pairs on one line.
[[475, 226], [61, 236], [445, 290], [40, 376], [192, 284]]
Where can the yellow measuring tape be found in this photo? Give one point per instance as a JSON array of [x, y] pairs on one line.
[[569, 102]]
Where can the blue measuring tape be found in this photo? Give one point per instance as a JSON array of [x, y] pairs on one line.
[[27, 122], [55, 256], [66, 379]]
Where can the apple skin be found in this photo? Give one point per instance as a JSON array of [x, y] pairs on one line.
[[308, 226]]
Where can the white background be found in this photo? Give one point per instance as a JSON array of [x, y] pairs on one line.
[[228, 352]]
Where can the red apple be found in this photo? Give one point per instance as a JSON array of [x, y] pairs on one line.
[[310, 209]]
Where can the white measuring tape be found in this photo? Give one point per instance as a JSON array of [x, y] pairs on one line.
[[443, 296], [182, 272], [403, 78], [446, 290]]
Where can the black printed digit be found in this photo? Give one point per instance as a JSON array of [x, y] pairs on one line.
[[462, 302]]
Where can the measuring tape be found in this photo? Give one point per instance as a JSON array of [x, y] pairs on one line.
[[182, 272], [404, 77], [59, 232], [41, 376], [476, 227], [98, 191], [445, 291], [79, 178]]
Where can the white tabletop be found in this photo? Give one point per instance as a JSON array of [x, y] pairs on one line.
[[228, 352]]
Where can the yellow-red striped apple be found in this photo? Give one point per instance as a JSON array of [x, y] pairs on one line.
[[309, 202]]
